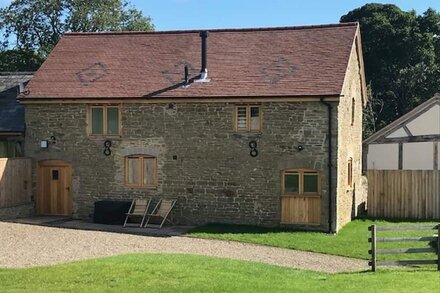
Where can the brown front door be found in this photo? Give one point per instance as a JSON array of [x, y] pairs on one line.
[[54, 188]]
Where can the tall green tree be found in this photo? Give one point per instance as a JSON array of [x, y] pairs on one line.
[[37, 25], [401, 54], [19, 60]]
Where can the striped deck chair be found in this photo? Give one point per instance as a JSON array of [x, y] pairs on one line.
[[138, 209], [160, 213]]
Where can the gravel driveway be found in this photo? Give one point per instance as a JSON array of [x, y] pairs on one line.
[[29, 245]]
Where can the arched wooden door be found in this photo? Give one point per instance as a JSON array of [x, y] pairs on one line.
[[54, 188]]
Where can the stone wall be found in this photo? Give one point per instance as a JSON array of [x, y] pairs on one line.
[[19, 211], [351, 200], [201, 160]]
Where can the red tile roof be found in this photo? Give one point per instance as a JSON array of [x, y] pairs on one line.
[[268, 62]]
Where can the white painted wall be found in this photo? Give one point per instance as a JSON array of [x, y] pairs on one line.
[[398, 133], [427, 123], [383, 156], [418, 156], [415, 155], [438, 155]]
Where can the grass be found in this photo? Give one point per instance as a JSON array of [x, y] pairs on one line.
[[351, 241], [185, 273]]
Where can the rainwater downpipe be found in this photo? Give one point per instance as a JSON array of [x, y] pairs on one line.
[[329, 166]]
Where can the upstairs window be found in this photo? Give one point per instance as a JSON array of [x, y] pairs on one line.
[[141, 171], [248, 118], [300, 182], [104, 120]]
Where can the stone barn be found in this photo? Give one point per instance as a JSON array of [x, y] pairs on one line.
[[244, 126]]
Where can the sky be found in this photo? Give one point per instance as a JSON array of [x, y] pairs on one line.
[[208, 14]]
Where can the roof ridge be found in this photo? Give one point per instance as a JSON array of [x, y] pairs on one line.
[[256, 29]]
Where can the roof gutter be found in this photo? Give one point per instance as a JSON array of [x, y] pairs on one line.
[[182, 99], [331, 229]]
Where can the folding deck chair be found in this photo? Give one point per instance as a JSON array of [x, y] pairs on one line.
[[160, 213], [138, 209]]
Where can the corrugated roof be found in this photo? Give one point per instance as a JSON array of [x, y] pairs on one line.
[[287, 61]]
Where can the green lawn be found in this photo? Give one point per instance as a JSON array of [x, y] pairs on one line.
[[185, 273], [351, 241]]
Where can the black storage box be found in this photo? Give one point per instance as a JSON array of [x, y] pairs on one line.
[[110, 212]]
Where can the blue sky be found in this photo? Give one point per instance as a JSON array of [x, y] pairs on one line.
[[196, 14]]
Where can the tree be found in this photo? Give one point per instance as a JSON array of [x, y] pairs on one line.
[[401, 54], [37, 25], [109, 15], [19, 60]]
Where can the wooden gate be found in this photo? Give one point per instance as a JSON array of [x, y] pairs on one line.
[[15, 181], [433, 250], [404, 194], [54, 188]]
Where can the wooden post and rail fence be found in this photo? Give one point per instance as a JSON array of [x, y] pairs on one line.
[[15, 181], [375, 251]]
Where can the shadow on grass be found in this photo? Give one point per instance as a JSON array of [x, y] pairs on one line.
[[217, 228], [396, 221], [393, 220]]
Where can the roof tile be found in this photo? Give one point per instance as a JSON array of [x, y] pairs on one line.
[[292, 61]]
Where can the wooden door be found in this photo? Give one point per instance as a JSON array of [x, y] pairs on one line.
[[54, 188], [301, 210], [300, 197]]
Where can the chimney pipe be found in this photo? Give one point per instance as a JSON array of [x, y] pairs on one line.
[[204, 70], [186, 75]]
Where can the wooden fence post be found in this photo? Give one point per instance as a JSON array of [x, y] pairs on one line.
[[372, 228], [438, 247]]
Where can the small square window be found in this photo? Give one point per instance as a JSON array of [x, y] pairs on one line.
[[255, 119], [55, 174], [241, 118], [112, 120], [310, 182], [141, 171], [97, 120], [291, 183], [300, 182], [133, 172], [104, 120], [248, 118]]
